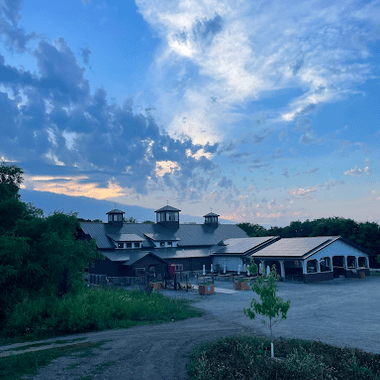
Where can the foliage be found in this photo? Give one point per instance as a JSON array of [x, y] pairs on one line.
[[253, 269], [130, 219], [38, 256], [10, 181], [271, 306], [246, 357], [92, 309], [365, 235]]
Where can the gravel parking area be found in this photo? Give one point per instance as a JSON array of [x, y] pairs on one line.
[[342, 312]]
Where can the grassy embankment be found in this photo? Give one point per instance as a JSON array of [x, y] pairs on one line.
[[247, 357], [91, 309]]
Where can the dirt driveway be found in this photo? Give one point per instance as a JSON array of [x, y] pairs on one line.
[[341, 312]]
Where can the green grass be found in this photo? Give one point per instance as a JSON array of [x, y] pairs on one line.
[[247, 357], [92, 309], [15, 367]]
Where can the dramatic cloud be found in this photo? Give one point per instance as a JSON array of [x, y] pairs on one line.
[[53, 117]]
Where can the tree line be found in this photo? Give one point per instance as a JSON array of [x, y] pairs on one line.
[[364, 234]]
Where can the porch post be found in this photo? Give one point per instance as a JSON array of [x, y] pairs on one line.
[[304, 267], [282, 269], [345, 262], [318, 266], [331, 264]]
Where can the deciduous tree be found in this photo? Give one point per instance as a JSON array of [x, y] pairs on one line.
[[271, 307]]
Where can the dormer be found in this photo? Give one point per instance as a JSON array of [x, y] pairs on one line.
[[115, 217], [168, 217], [211, 219]]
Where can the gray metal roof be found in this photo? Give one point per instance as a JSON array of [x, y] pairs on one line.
[[189, 235], [167, 208], [178, 253], [125, 237], [115, 211], [138, 256], [244, 245], [295, 247], [211, 214], [162, 237]]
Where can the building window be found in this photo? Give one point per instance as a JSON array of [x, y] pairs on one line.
[[137, 245], [179, 267], [140, 271], [162, 244], [129, 245], [120, 245], [170, 243]]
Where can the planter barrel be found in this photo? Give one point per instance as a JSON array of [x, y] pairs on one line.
[[155, 285], [206, 289]]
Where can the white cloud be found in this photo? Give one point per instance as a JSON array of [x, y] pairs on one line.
[[234, 52], [301, 192], [356, 171]]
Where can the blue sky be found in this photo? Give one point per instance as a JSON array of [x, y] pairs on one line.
[[266, 112]]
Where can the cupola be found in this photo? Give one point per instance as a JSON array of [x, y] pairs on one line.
[[115, 217], [211, 219], [168, 217]]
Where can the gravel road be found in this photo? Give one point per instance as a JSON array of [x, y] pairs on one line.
[[343, 312]]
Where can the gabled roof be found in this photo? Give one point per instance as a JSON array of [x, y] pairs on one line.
[[125, 237], [127, 256], [167, 208], [245, 245], [299, 247], [140, 255], [188, 235]]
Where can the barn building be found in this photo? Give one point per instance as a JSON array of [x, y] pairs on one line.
[[134, 249]]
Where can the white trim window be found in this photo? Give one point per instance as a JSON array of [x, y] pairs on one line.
[[179, 267]]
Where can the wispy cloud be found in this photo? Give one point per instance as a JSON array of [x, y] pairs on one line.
[[239, 51]]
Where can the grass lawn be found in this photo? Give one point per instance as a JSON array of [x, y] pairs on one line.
[[15, 367]]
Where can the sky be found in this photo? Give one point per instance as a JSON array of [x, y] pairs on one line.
[[261, 111]]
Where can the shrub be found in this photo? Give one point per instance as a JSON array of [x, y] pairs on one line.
[[93, 309], [248, 357]]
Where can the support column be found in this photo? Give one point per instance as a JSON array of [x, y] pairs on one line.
[[304, 267], [367, 262], [282, 269], [318, 266], [345, 266], [356, 263], [331, 264], [263, 267]]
